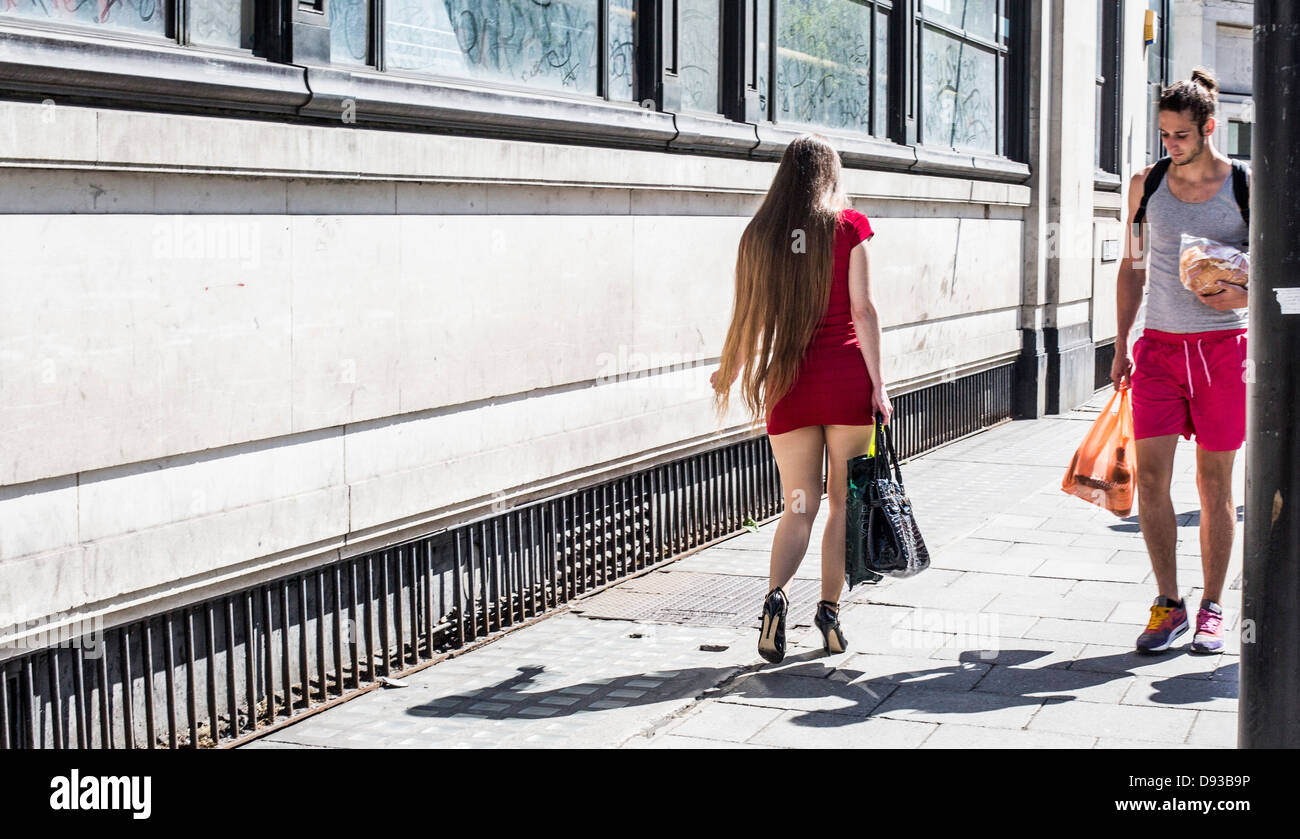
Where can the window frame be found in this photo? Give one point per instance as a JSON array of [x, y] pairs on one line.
[[1000, 47], [176, 31], [873, 8], [378, 20], [1110, 95]]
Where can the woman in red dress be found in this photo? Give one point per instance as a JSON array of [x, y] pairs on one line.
[[805, 341]]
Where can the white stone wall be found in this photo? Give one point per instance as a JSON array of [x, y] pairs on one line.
[[1217, 34], [232, 348], [1074, 142]]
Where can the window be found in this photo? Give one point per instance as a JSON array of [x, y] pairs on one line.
[[142, 16], [224, 24], [550, 45], [1238, 142], [350, 32], [556, 45], [831, 63], [622, 50], [219, 23], [1234, 54], [963, 70], [699, 35], [1107, 157]]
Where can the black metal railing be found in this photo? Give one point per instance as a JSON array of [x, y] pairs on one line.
[[1105, 357], [232, 667], [941, 413]]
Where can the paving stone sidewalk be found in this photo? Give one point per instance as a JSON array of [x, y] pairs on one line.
[[1019, 635]]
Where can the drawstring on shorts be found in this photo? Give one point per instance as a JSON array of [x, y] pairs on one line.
[[1187, 359], [1203, 364]]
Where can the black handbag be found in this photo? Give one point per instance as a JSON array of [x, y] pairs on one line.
[[881, 534]]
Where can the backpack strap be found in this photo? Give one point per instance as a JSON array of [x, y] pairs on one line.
[[1150, 185], [1241, 190]]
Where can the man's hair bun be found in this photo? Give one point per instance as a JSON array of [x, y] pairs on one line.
[[1205, 77]]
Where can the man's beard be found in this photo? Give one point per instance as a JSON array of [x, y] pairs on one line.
[[1200, 148]]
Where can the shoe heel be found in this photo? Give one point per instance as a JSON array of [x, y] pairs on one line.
[[828, 622], [771, 638]]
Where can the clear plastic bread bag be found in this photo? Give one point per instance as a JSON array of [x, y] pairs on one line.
[[1203, 262]]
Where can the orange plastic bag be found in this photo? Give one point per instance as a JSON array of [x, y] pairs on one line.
[[1103, 469]]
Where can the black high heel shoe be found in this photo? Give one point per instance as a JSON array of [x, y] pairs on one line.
[[771, 638], [828, 621]]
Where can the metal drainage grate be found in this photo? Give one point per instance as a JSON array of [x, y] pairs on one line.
[[702, 600]]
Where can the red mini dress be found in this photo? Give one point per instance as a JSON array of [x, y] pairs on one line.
[[832, 386]]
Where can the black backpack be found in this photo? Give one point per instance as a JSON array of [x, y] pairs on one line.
[[1240, 188]]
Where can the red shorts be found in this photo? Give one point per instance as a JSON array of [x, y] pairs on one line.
[[1185, 382]]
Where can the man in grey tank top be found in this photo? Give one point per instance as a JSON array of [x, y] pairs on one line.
[[1187, 368]]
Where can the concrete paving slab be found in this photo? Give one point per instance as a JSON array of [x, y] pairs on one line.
[[724, 721], [1131, 722], [956, 736], [954, 559], [934, 673], [1098, 632], [1136, 745], [1059, 552], [1031, 537], [1006, 583], [1056, 682], [1073, 569], [800, 730], [673, 741], [799, 693], [923, 704], [1172, 663], [1199, 694], [1053, 606], [976, 545], [1014, 652], [929, 598], [1214, 729]]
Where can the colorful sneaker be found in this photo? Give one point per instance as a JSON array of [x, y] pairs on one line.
[[1168, 623], [1209, 628]]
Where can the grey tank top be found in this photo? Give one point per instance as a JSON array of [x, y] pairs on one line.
[[1169, 306]]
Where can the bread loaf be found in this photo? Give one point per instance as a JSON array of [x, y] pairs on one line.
[[1202, 268]]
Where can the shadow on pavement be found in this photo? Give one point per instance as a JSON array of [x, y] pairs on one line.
[[1192, 518], [846, 692]]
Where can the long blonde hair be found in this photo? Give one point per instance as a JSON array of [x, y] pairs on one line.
[[783, 278]]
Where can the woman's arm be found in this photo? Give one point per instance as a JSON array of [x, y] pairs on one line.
[[866, 324]]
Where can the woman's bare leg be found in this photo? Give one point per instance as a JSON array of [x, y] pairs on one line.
[[799, 462], [843, 442]]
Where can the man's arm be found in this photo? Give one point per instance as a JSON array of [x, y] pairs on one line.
[[1131, 280], [1229, 296]]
